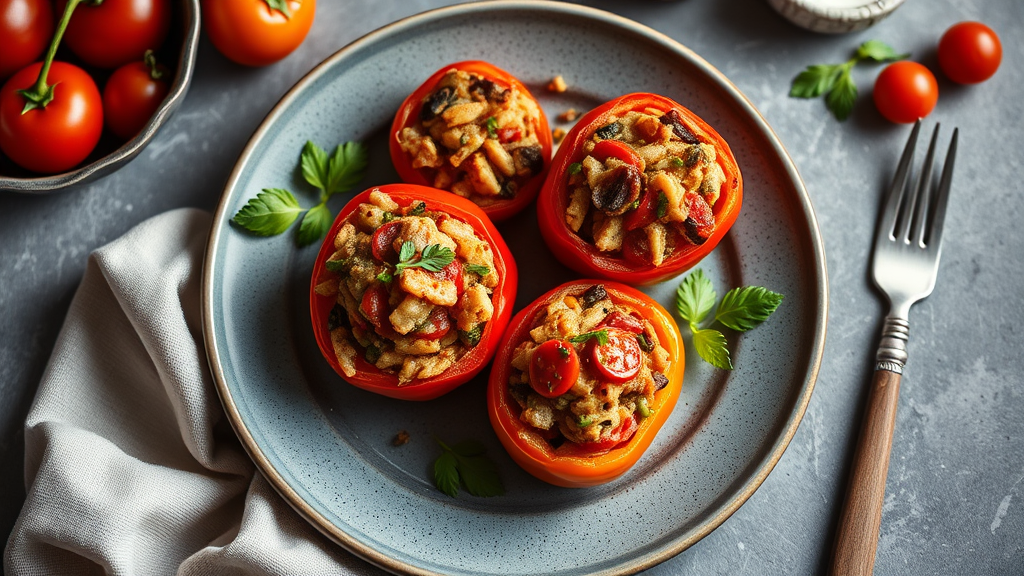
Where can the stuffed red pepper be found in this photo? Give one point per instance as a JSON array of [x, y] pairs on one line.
[[641, 189], [585, 377], [474, 130], [411, 291]]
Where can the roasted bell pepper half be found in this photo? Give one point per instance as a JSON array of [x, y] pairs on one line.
[[707, 225], [571, 464], [489, 154], [367, 376]]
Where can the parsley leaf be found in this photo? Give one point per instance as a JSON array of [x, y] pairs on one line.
[[270, 213], [315, 224], [879, 52], [407, 251], [744, 308], [712, 348], [347, 166], [433, 258], [840, 100], [694, 297], [600, 335], [467, 462], [478, 269], [815, 80]]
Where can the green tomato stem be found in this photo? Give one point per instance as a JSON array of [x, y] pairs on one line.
[[40, 94], [149, 60]]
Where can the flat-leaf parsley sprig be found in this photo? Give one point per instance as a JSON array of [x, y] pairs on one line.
[[466, 461], [834, 80], [741, 309], [274, 210]]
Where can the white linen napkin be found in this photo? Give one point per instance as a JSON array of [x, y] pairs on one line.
[[131, 467]]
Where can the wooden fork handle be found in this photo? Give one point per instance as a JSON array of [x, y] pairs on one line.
[[857, 535]]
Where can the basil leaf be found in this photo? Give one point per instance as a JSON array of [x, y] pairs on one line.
[[315, 224], [694, 297], [840, 100], [815, 80], [480, 476], [712, 348], [744, 308], [347, 167], [446, 474], [879, 52], [270, 213], [314, 165]]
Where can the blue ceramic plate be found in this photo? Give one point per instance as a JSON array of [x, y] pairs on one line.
[[326, 445]]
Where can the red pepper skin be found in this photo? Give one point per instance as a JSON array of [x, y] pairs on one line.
[[408, 115], [572, 465], [367, 376], [584, 257]]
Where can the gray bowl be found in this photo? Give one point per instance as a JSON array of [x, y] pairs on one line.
[[185, 27]]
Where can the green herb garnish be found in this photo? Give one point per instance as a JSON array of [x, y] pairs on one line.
[[478, 269], [463, 140], [336, 266], [466, 461], [472, 336], [385, 277], [584, 421], [677, 162], [662, 209], [575, 168], [741, 309], [834, 80], [645, 344], [600, 335], [274, 210], [419, 209], [492, 127], [433, 258], [372, 354]]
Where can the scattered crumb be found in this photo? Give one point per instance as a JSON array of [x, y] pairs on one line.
[[557, 84], [557, 134], [400, 438], [569, 115]]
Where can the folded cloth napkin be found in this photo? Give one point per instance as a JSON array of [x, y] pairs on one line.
[[130, 464]]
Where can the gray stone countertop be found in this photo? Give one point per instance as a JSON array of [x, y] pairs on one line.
[[955, 496]]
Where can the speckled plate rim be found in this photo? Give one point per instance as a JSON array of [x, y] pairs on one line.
[[804, 208]]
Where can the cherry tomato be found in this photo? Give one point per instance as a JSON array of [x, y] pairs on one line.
[[58, 137], [132, 95], [374, 306], [622, 321], [116, 32], [905, 91], [453, 272], [252, 33], [383, 242], [622, 433], [619, 359], [970, 52], [438, 324], [26, 27], [554, 368]]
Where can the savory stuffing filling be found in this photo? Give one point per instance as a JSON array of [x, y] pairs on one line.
[[413, 289], [589, 371], [476, 138], [646, 185]]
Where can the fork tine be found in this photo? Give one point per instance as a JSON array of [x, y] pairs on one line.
[[934, 240], [899, 184], [923, 192]]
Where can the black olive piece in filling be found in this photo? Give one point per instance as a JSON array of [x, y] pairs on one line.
[[697, 235], [337, 318], [437, 103], [610, 131], [660, 380], [675, 121], [593, 295], [618, 190], [489, 90], [528, 160]]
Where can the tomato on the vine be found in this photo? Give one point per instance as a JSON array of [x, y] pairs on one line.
[[905, 91], [116, 32], [970, 52], [132, 94], [58, 137], [258, 32], [25, 30]]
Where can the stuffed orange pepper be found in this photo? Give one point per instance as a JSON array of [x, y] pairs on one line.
[[476, 131], [411, 291], [585, 377], [641, 190]]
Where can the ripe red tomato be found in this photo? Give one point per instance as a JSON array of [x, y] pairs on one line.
[[622, 433], [970, 52], [26, 27], [131, 96], [252, 33], [554, 368], [619, 359], [58, 137], [116, 32], [905, 91]]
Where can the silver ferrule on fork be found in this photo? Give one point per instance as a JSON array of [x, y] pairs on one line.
[[892, 350]]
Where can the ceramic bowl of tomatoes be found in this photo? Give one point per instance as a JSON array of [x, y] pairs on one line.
[[127, 63]]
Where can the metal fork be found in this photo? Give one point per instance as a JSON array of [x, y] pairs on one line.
[[908, 243]]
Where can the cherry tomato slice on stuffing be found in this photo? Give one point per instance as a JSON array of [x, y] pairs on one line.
[[383, 242], [643, 214], [374, 306], [453, 272], [619, 359], [622, 433], [554, 368], [622, 321], [438, 324]]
